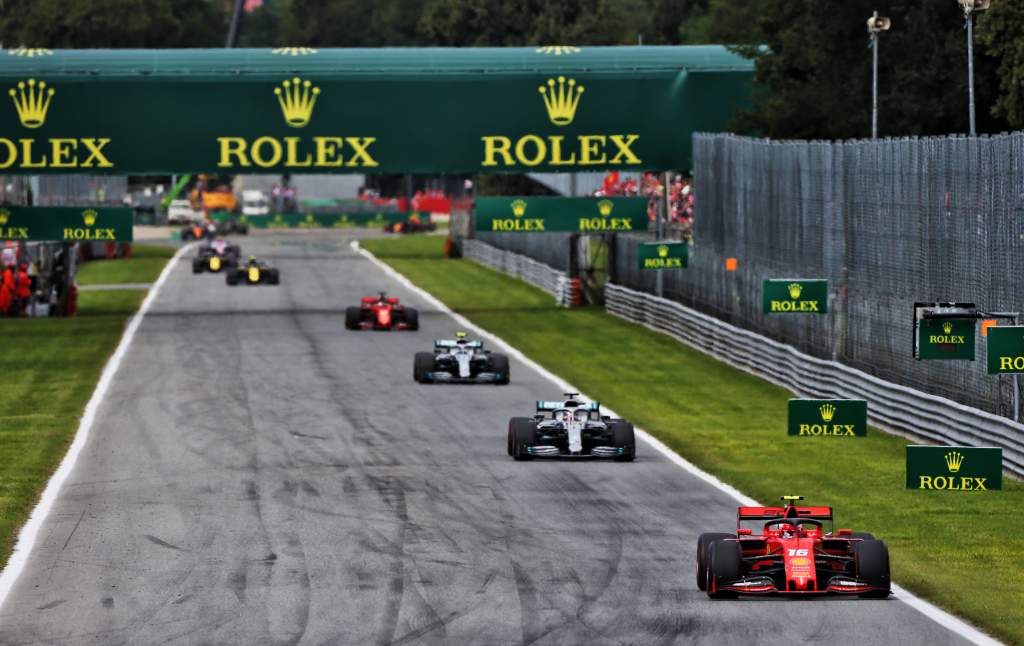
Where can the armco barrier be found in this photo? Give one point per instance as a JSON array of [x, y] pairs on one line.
[[550, 280], [890, 406]]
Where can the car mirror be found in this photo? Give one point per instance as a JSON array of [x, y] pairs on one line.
[[845, 532], [745, 531]]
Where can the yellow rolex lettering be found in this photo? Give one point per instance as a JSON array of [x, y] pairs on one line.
[[1005, 363], [979, 484], [292, 158], [925, 482], [516, 224], [26, 154], [497, 145], [327, 151], [359, 146], [12, 153], [623, 143], [232, 147], [590, 147], [95, 147], [62, 153], [257, 152], [540, 148], [556, 152]]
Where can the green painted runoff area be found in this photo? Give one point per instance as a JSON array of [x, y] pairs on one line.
[[956, 549]]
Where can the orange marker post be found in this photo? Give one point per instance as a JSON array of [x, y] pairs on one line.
[[730, 264]]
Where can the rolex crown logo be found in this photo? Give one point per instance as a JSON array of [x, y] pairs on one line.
[[947, 327], [4, 216], [827, 411], [561, 99], [954, 460], [605, 207], [89, 217], [795, 289], [32, 100], [518, 208], [297, 98], [662, 251]]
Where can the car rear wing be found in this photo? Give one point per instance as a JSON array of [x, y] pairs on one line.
[[543, 406], [769, 513], [448, 343]]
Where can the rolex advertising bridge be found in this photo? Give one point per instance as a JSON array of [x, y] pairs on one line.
[[398, 110]]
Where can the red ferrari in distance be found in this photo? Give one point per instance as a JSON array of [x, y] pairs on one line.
[[791, 551], [381, 313]]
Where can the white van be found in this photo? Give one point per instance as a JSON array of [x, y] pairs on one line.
[[255, 203]]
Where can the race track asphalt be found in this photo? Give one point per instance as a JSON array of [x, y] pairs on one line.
[[259, 475]]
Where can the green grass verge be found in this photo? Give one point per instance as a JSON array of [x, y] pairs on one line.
[[144, 266], [47, 383], [957, 549]]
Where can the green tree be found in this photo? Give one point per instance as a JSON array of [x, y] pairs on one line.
[[813, 78], [732, 22], [489, 23], [999, 30], [351, 23], [113, 23]]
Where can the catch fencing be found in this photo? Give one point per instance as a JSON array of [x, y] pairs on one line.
[[550, 280], [887, 222]]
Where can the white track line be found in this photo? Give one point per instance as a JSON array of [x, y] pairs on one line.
[[933, 612], [29, 534]]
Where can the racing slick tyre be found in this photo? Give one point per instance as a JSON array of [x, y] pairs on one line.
[[412, 318], [871, 561], [724, 559], [867, 536], [704, 542], [421, 365], [352, 317], [197, 266], [273, 277], [522, 433], [624, 438], [499, 364], [231, 278]]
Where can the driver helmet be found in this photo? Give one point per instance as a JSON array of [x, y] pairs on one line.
[[252, 260]]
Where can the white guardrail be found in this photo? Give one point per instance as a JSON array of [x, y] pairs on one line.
[[892, 407], [537, 273]]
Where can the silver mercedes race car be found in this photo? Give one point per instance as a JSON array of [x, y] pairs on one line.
[[575, 429], [460, 361]]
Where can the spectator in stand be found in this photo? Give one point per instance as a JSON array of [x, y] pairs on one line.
[[8, 256], [23, 291], [7, 292]]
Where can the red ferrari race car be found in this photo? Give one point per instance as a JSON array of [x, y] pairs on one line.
[[381, 313], [791, 550]]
